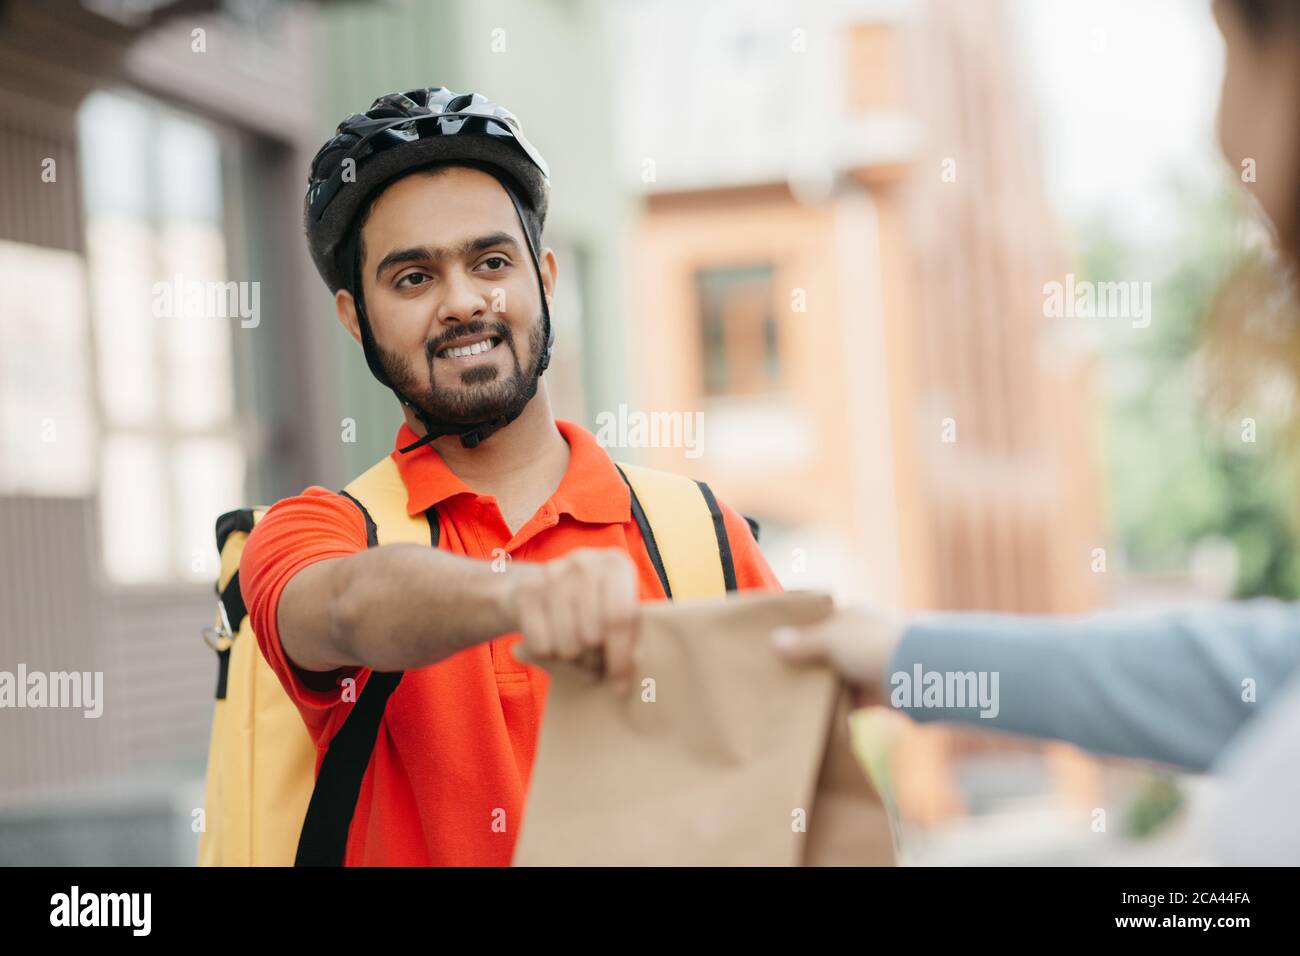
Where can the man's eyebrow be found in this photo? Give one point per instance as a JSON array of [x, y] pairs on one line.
[[426, 254]]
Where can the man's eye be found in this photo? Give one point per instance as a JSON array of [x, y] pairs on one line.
[[412, 278], [501, 261]]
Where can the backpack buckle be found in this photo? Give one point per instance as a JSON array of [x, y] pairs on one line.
[[220, 637]]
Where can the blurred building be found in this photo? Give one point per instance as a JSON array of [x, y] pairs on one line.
[[145, 144], [837, 250], [150, 145], [841, 265]]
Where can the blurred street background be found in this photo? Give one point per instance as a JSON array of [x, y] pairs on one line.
[[828, 227]]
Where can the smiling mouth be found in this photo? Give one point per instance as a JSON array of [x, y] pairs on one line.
[[484, 345]]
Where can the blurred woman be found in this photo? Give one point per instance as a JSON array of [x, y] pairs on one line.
[[1175, 686]]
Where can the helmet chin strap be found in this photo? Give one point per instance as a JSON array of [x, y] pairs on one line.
[[471, 435]]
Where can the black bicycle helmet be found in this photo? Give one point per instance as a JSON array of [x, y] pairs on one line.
[[399, 134]]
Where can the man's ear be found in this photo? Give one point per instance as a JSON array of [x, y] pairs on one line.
[[346, 307], [550, 269]]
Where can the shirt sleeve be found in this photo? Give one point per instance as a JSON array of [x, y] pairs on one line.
[[1171, 686], [294, 533], [752, 571]]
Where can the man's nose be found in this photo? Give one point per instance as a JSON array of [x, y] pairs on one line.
[[462, 300]]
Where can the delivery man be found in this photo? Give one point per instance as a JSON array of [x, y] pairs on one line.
[[424, 216]]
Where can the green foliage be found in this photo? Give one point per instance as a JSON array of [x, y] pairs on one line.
[[1177, 473], [1155, 807]]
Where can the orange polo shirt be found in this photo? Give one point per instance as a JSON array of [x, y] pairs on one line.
[[447, 782]]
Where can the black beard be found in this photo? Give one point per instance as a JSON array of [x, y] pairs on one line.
[[490, 396]]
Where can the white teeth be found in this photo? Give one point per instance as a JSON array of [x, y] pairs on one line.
[[463, 350]]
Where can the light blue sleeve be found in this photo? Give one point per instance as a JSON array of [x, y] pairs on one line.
[[1171, 686]]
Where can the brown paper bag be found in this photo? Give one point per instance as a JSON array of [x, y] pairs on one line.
[[720, 755]]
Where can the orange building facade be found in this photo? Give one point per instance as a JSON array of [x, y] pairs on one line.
[[867, 346]]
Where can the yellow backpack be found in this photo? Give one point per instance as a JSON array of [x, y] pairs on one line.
[[264, 804]]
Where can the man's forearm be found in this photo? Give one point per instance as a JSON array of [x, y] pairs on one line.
[[403, 606]]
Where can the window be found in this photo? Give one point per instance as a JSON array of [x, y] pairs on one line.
[[46, 422], [741, 354], [170, 458]]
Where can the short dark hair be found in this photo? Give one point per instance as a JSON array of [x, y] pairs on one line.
[[532, 222]]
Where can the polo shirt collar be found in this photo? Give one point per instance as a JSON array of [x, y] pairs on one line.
[[592, 490]]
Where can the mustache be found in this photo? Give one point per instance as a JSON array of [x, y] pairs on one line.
[[477, 327]]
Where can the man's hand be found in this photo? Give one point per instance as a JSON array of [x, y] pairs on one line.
[[574, 605], [857, 641]]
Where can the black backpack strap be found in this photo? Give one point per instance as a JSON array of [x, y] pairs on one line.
[[232, 603], [232, 521], [231, 598], [324, 837], [720, 531], [232, 606], [648, 536], [372, 534]]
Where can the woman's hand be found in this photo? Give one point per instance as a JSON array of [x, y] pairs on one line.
[[857, 641]]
